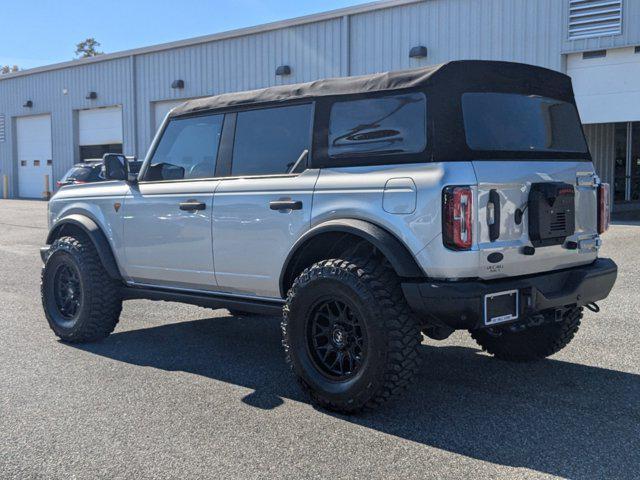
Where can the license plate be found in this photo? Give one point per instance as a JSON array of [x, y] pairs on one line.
[[501, 307]]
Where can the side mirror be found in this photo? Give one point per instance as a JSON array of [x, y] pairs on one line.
[[116, 166]]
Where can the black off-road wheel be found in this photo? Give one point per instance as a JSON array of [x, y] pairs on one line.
[[349, 335], [533, 343], [81, 302]]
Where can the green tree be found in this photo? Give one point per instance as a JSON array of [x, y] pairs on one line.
[[8, 69], [88, 48]]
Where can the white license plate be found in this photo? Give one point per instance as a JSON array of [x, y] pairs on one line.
[[501, 307]]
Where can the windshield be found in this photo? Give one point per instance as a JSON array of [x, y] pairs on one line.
[[521, 123]]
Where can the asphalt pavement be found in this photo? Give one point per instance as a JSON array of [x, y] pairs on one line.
[[186, 392]]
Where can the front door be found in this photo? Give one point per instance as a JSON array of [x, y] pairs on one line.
[[167, 217], [264, 206]]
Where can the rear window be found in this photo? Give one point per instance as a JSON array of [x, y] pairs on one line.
[[83, 174], [521, 123], [393, 124]]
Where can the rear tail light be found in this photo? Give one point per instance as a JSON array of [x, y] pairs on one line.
[[457, 229], [604, 212]]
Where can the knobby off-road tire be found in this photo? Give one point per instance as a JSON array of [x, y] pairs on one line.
[[534, 343], [371, 316], [81, 302]]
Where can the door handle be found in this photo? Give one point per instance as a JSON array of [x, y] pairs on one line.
[[192, 205], [285, 205]]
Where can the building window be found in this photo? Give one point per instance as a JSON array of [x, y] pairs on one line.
[[594, 18]]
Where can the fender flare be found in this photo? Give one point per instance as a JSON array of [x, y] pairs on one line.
[[97, 237], [399, 256]]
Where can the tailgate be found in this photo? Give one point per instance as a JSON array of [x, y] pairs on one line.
[[511, 183]]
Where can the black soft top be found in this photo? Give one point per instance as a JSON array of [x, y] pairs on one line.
[[446, 79], [443, 85]]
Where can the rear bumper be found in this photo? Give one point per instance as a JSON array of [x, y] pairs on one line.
[[459, 305]]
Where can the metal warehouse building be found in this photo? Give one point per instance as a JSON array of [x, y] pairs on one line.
[[53, 116]]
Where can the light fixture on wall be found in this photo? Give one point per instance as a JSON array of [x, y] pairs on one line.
[[91, 96], [177, 84], [418, 52], [28, 104], [283, 70]]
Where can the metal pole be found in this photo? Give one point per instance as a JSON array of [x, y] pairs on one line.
[[46, 194], [5, 186]]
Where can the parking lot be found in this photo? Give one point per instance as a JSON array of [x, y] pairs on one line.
[[185, 392]]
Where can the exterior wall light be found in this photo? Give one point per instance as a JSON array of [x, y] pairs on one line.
[[418, 52], [91, 96], [177, 84], [28, 104], [283, 70]]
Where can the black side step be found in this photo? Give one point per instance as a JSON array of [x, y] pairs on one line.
[[208, 300]]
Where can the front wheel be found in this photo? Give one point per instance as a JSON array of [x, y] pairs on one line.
[[349, 335], [533, 343], [81, 302]]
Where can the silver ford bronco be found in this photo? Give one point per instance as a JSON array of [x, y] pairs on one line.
[[366, 211]]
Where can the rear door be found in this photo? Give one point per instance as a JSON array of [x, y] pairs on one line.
[[524, 125], [264, 205]]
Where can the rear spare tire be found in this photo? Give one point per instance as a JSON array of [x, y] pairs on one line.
[[81, 302], [349, 335]]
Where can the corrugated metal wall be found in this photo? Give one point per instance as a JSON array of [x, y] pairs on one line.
[[600, 139], [528, 31]]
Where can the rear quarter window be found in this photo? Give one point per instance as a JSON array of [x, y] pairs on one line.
[[393, 124]]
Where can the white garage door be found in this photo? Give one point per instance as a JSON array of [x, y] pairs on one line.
[[161, 109], [100, 132], [606, 88], [100, 126], [34, 155]]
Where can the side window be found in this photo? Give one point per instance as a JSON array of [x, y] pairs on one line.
[[270, 140], [392, 124], [188, 149]]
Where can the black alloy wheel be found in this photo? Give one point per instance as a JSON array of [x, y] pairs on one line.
[[67, 291], [336, 339]]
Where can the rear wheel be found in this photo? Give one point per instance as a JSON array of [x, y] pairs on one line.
[[349, 335], [533, 343], [81, 302]]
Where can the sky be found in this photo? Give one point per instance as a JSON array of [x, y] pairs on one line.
[[39, 32]]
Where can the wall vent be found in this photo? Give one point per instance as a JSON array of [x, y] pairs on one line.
[[594, 18], [594, 54], [2, 137]]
